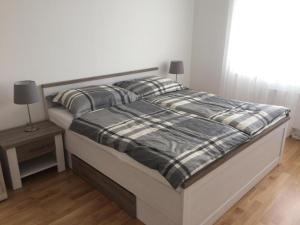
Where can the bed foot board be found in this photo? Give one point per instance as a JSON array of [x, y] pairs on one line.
[[125, 199], [210, 197], [151, 216], [239, 194]]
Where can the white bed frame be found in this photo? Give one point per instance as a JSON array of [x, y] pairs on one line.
[[201, 203]]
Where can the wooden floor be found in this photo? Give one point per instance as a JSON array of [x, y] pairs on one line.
[[49, 198]]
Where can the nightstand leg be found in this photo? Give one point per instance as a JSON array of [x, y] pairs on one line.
[[3, 193], [69, 160], [59, 148], [13, 167]]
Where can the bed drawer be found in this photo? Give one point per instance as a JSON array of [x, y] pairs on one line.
[[35, 149], [125, 199]]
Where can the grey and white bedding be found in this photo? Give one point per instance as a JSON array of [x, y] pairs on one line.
[[174, 130], [175, 143], [247, 117]]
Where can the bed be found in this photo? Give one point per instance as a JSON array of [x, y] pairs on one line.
[[202, 198]]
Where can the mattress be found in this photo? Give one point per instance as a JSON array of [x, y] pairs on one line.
[[63, 118]]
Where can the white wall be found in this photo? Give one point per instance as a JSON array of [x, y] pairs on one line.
[[210, 22], [52, 40]]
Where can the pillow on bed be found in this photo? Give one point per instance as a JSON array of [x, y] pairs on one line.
[[151, 86], [82, 100]]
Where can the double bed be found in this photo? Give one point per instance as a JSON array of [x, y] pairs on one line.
[[200, 198]]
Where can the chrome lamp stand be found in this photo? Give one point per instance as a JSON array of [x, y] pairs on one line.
[[30, 127]]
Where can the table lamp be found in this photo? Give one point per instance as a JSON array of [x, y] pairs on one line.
[[26, 93], [176, 67]]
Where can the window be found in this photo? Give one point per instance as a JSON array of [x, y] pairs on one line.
[[264, 41]]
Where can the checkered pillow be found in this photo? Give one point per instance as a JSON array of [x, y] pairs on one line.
[[151, 86], [81, 100]]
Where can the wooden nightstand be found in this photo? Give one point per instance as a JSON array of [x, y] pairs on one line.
[[27, 153], [3, 193]]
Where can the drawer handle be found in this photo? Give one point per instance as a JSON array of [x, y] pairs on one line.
[[43, 148]]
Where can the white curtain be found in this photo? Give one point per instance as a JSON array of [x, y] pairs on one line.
[[262, 60]]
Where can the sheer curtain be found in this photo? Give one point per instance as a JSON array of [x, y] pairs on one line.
[[262, 60]]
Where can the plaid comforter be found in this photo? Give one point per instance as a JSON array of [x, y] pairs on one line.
[[250, 118], [175, 143]]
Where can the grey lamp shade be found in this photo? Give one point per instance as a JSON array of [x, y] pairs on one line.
[[25, 92], [176, 67]]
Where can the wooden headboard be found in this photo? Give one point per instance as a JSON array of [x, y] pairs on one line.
[[89, 79]]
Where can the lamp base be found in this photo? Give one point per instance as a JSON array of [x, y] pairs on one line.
[[31, 129]]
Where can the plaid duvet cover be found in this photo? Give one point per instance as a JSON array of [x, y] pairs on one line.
[[175, 143], [250, 118]]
